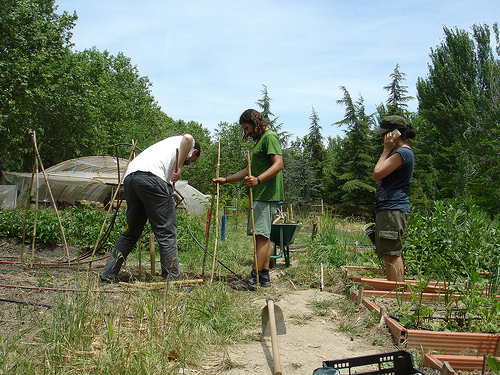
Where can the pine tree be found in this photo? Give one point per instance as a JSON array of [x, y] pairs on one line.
[[313, 142], [264, 104], [396, 103], [357, 157]]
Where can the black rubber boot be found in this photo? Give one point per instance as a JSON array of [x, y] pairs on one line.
[[264, 279]]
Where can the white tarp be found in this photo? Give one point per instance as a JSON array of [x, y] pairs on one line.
[[89, 179], [8, 196]]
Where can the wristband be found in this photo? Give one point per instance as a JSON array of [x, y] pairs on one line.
[[258, 180], [226, 180]]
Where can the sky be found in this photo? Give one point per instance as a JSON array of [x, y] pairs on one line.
[[208, 60]]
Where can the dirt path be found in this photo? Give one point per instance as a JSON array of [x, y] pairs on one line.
[[309, 339]]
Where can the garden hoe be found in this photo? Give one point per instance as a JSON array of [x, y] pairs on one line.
[[273, 325]]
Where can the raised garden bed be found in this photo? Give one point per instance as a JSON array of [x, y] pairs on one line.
[[459, 349]]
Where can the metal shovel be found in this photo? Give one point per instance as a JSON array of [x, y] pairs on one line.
[[273, 324]]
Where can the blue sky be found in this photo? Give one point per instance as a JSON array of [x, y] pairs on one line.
[[208, 60]]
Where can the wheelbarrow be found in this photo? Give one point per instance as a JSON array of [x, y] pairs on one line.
[[282, 236]]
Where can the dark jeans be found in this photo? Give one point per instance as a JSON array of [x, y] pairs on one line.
[[148, 197]]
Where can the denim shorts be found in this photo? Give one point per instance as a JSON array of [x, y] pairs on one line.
[[389, 228], [264, 214]]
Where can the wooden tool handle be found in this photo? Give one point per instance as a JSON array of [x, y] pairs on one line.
[[274, 336], [256, 260]]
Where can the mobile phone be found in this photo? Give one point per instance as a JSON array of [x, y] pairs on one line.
[[396, 133]]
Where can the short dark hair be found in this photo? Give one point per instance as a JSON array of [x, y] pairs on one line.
[[198, 147]]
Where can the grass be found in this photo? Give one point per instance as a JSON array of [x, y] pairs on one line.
[[123, 333]]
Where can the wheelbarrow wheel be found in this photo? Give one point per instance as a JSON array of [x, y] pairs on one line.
[[272, 261]]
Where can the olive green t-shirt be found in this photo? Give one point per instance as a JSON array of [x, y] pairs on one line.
[[272, 189]]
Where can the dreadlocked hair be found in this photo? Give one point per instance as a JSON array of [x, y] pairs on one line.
[[255, 118]]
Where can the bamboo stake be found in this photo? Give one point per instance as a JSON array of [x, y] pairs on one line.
[[216, 214], [161, 284], [322, 287], [207, 233], [36, 215], [253, 222], [140, 256], [120, 180], [165, 296], [51, 196], [152, 253], [28, 203]]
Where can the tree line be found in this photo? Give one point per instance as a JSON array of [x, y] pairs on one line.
[[82, 103]]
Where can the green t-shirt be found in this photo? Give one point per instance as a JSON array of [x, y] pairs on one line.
[[272, 189]]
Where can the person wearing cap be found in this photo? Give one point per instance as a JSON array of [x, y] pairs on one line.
[[149, 192], [267, 184], [394, 173]]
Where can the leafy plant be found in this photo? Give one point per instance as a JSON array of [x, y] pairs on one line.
[[494, 364], [457, 244]]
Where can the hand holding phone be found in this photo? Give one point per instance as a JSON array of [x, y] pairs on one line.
[[396, 133]]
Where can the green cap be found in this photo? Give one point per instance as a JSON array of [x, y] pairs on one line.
[[390, 123]]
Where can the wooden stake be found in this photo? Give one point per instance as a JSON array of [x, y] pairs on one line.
[[28, 204], [322, 287], [216, 215], [253, 222], [140, 260], [51, 196], [36, 215], [381, 317], [152, 253], [360, 295], [165, 296], [120, 181], [161, 284], [207, 234]]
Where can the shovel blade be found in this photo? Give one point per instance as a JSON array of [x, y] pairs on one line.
[[278, 317]]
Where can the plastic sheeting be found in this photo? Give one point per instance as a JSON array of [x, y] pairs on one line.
[[89, 179], [8, 196]]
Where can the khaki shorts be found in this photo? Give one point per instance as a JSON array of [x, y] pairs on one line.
[[389, 228], [264, 214]]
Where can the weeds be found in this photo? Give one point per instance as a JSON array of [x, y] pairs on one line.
[[89, 333]]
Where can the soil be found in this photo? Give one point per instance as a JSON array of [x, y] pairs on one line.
[[309, 338]]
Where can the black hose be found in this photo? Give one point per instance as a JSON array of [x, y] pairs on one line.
[[208, 252]]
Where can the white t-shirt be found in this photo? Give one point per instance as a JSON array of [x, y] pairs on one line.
[[158, 159]]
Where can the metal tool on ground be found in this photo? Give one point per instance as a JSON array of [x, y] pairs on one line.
[[273, 324], [216, 214], [253, 223]]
